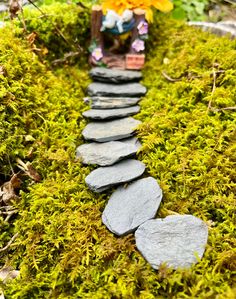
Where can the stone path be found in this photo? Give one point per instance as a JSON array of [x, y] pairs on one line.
[[178, 241]]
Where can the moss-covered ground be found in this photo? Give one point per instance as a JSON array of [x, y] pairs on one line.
[[63, 251]]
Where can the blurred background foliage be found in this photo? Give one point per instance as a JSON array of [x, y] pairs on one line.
[[189, 10]]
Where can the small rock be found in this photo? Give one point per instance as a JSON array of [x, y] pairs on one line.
[[100, 114], [110, 102], [174, 240], [110, 130], [114, 75], [105, 177], [216, 28], [131, 206], [105, 154], [114, 90]]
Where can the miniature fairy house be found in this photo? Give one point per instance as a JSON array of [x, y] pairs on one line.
[[118, 34]]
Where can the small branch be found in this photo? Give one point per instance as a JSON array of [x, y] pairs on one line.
[[9, 243], [169, 78], [213, 89], [226, 108], [66, 57], [189, 76], [8, 214]]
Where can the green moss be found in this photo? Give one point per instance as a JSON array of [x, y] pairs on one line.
[[59, 29], [63, 250]]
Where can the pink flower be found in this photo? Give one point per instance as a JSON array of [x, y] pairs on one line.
[[97, 54], [138, 45], [143, 28]]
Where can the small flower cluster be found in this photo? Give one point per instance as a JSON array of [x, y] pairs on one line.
[[96, 51], [139, 45]]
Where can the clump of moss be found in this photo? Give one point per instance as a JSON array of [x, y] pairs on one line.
[[56, 29], [63, 250]]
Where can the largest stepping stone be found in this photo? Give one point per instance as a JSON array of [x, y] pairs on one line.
[[105, 154], [110, 130], [114, 90], [114, 75], [110, 102], [105, 114], [131, 206], [104, 178], [178, 241]]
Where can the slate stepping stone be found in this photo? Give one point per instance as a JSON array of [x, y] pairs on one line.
[[110, 102], [131, 206], [111, 113], [105, 177], [110, 130], [114, 75], [134, 141], [114, 90], [105, 154], [174, 240]]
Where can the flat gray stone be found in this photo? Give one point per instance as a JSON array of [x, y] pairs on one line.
[[105, 177], [105, 154], [133, 141], [220, 29], [110, 102], [100, 114], [115, 90], [131, 206], [114, 76], [175, 240], [110, 130]]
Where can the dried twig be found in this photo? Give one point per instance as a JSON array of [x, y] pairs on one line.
[[213, 88], [9, 243], [222, 109], [8, 214], [66, 57], [169, 78], [189, 76]]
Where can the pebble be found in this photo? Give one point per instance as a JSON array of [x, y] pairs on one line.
[[114, 90], [110, 102], [174, 240], [100, 114], [105, 154], [114, 75], [131, 206], [110, 130], [104, 178]]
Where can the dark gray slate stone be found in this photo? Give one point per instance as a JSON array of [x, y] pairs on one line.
[[103, 114], [105, 177], [131, 206], [114, 75], [110, 102], [105, 154], [174, 240], [110, 130], [114, 90]]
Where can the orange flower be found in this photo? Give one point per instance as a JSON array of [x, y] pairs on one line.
[[120, 5]]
